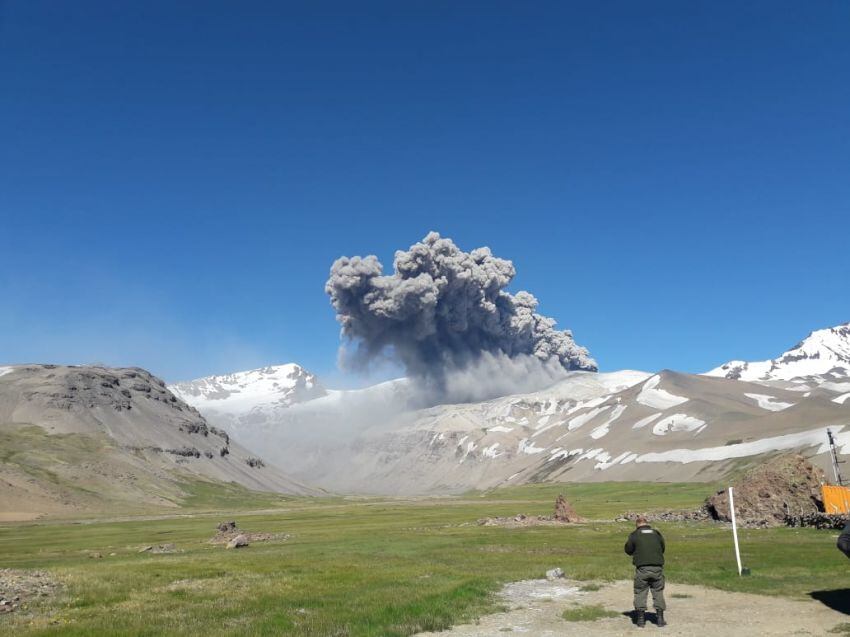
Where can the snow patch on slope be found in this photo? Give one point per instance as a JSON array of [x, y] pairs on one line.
[[841, 399], [528, 447], [677, 422], [605, 427], [585, 418], [643, 422], [656, 398], [841, 387], [767, 402], [742, 450]]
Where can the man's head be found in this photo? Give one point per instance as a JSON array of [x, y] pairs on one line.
[[641, 521]]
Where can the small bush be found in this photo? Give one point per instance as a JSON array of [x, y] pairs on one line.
[[590, 587], [588, 613]]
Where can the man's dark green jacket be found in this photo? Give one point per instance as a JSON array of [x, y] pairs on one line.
[[844, 540], [646, 546]]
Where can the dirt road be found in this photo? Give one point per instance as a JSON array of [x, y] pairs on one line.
[[535, 608]]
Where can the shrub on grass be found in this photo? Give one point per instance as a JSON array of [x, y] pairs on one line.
[[588, 613]]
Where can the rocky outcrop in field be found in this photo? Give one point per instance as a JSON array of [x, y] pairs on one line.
[[784, 487]]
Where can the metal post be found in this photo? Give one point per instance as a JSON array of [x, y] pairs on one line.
[[734, 529], [834, 455]]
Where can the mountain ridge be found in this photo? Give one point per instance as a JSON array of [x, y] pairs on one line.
[[78, 437], [824, 354], [589, 426]]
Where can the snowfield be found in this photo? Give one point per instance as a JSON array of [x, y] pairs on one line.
[[778, 443], [656, 398], [767, 402]]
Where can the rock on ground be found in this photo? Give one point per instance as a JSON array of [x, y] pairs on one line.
[[564, 511], [238, 542]]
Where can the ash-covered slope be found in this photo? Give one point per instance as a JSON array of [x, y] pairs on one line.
[[78, 438], [823, 356]]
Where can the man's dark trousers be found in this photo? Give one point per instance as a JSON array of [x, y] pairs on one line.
[[649, 578], [646, 546]]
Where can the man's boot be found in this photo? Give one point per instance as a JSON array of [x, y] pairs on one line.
[[640, 618], [660, 615]]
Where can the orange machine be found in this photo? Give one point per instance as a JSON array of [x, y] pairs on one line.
[[836, 499]]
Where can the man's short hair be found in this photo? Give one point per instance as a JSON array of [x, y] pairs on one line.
[[641, 521]]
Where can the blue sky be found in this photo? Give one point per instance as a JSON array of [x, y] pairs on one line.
[[671, 180]]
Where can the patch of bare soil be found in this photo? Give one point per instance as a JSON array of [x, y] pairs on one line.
[[535, 607]]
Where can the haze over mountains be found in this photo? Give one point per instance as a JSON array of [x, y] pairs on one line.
[[586, 426]]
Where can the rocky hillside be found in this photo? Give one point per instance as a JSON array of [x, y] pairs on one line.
[[78, 438]]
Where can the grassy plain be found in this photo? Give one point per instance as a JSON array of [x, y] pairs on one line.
[[370, 567]]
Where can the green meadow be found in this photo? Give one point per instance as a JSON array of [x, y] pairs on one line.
[[370, 566]]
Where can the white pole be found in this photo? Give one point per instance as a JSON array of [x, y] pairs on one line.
[[734, 529]]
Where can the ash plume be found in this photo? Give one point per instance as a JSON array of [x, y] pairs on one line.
[[443, 310]]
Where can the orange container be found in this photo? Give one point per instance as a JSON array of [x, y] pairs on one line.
[[836, 499]]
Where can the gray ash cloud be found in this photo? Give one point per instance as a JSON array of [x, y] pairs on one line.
[[442, 309]]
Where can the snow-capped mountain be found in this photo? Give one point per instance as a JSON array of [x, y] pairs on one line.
[[620, 426], [823, 356], [255, 395], [625, 425]]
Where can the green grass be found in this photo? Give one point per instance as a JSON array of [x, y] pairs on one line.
[[588, 613], [35, 453], [376, 567], [210, 496], [841, 629], [589, 588]]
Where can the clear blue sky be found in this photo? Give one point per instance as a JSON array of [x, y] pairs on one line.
[[671, 179]]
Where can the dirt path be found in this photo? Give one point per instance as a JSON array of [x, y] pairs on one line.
[[536, 607]]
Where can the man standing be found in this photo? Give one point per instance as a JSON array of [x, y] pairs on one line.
[[844, 540], [646, 546]]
